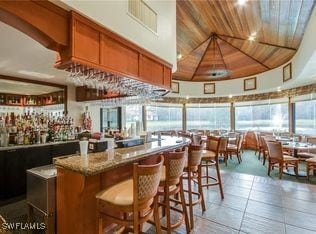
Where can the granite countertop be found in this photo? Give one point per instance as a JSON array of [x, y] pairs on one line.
[[35, 145], [96, 163]]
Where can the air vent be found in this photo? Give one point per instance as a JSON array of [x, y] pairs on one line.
[[143, 13]]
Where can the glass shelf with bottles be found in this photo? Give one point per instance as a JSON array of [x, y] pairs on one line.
[[35, 128]]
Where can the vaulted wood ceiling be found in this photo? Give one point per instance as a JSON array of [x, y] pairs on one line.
[[212, 36]]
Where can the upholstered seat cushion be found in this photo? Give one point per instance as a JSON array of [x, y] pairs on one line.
[[119, 194], [289, 158], [306, 155], [208, 154], [311, 160], [231, 147]]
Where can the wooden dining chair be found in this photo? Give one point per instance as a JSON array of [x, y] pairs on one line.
[[310, 153], [233, 149], [137, 196], [310, 165], [278, 159]]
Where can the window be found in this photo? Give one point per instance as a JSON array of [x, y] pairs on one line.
[[110, 118], [270, 117], [133, 113], [208, 118], [305, 117], [163, 118]]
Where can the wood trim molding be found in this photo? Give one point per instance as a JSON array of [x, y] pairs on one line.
[[3, 77], [41, 20], [245, 98]]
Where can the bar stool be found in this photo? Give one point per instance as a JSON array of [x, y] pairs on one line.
[[193, 172], [137, 196], [171, 184], [310, 165], [214, 146]]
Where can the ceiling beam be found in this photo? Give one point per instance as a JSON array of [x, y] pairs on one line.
[[197, 67], [259, 42], [195, 48], [220, 51], [262, 64]]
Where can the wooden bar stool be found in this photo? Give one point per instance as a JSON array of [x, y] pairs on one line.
[[137, 196], [193, 172], [171, 184], [214, 146], [310, 165]]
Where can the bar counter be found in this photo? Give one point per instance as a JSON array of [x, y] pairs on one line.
[[96, 163], [79, 179]]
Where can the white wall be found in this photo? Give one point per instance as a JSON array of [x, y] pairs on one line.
[[113, 15]]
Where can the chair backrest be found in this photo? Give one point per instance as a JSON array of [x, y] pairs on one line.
[[174, 163], [194, 156], [311, 140], [265, 139], [146, 182], [216, 144], [275, 149], [240, 141], [223, 142], [196, 139]]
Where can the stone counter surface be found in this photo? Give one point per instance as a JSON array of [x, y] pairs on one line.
[[96, 163]]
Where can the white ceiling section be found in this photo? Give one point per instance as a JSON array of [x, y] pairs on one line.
[[21, 56]]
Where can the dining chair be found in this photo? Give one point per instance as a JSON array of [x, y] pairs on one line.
[[310, 153], [278, 159], [310, 165], [233, 149]]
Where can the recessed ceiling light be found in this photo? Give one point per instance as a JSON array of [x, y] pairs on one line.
[[179, 56], [251, 38], [36, 74], [230, 96], [279, 89], [241, 2], [187, 97]]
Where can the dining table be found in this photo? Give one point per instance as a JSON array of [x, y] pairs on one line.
[[296, 147]]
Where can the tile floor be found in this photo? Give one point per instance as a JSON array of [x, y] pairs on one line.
[[254, 204]]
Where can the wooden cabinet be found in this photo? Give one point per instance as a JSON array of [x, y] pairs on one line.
[[65, 149], [38, 156], [93, 46], [32, 100], [83, 93], [15, 173], [15, 162], [2, 173]]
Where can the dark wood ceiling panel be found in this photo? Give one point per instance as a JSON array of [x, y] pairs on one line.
[[278, 27]]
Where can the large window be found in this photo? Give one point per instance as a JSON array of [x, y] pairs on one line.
[[163, 118], [270, 117], [305, 117], [208, 118], [133, 114]]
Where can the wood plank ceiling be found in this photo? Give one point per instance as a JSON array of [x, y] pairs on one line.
[[213, 36]]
